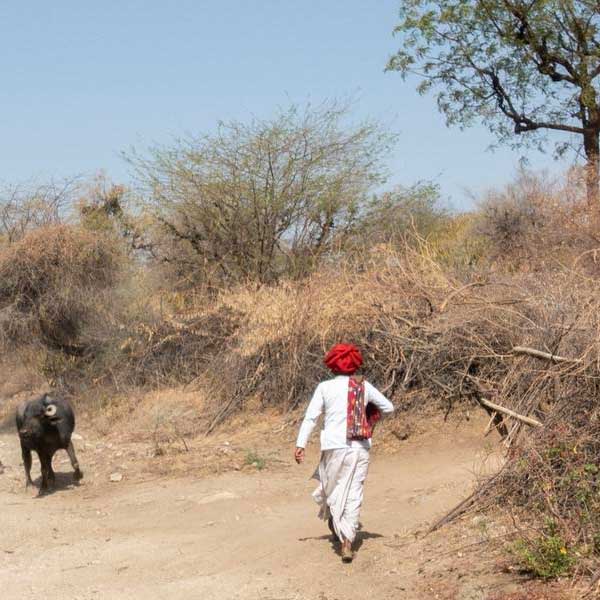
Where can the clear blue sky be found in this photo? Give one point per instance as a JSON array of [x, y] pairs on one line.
[[82, 81]]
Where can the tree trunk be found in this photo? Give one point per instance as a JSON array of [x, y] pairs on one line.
[[591, 145]]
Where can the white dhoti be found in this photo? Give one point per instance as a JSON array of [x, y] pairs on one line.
[[342, 473]]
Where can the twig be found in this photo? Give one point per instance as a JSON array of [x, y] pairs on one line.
[[463, 506], [444, 304], [593, 587], [221, 415], [545, 355], [514, 431], [388, 387], [494, 416], [511, 413], [488, 427]]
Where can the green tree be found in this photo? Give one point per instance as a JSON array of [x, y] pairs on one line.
[[401, 213], [256, 200], [520, 66]]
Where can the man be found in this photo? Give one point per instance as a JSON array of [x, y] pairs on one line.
[[350, 406]]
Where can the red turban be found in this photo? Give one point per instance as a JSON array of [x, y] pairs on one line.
[[343, 359]]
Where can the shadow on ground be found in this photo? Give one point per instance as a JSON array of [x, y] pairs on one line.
[[361, 536], [63, 482]]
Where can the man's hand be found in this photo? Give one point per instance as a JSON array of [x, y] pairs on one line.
[[299, 455]]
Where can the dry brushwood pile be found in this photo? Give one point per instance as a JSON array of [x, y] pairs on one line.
[[427, 336], [171, 349], [52, 287]]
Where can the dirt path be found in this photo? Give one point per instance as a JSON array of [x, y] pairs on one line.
[[240, 535]]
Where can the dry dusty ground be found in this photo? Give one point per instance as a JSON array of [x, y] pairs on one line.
[[247, 534]]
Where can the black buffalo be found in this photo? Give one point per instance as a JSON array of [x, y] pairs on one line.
[[45, 425]]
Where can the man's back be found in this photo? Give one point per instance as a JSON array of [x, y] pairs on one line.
[[331, 398]]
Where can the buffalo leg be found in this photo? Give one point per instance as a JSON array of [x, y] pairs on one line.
[[47, 473], [51, 474], [26, 453], [77, 475]]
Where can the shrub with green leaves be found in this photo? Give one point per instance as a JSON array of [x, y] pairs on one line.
[[546, 556], [254, 459]]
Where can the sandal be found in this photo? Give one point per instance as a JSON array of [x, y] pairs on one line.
[[347, 554]]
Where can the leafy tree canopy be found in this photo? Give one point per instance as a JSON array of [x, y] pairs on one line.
[[521, 67]]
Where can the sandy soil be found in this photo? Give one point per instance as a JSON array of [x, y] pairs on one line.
[[247, 534]]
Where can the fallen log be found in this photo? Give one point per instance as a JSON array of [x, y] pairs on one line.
[[511, 413], [544, 355]]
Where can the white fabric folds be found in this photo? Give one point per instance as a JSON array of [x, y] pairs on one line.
[[342, 473]]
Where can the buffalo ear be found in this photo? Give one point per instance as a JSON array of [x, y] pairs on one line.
[[21, 413], [50, 410]]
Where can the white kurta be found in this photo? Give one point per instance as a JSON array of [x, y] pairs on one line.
[[331, 400]]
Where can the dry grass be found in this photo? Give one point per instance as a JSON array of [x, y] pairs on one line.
[[51, 288]]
